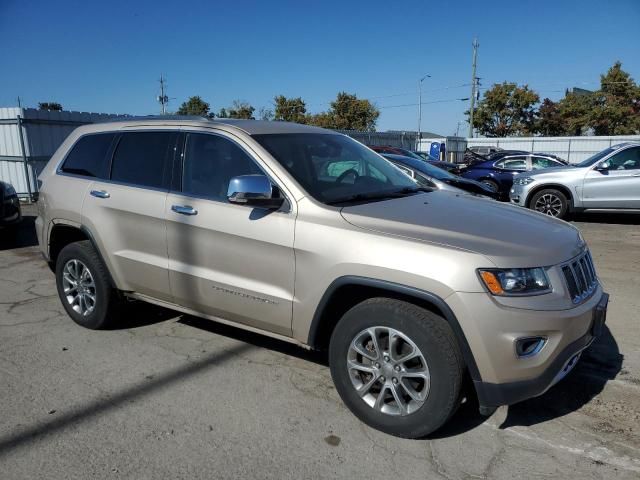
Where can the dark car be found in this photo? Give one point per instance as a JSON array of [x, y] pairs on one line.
[[497, 173], [450, 167], [10, 212], [387, 149], [428, 175]]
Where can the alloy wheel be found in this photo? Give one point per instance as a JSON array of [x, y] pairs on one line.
[[549, 204], [79, 287], [388, 371]]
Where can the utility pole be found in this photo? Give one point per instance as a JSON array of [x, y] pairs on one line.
[[418, 146], [19, 103], [163, 98], [474, 81]]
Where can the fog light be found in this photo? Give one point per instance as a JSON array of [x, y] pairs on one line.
[[529, 346]]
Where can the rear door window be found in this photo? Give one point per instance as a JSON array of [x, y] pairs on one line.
[[514, 163], [88, 157], [538, 163], [141, 158]]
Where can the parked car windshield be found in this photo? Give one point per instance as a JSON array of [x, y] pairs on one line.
[[595, 158], [334, 168]]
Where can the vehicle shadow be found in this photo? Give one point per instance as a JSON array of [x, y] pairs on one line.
[[20, 235], [599, 363], [610, 218]]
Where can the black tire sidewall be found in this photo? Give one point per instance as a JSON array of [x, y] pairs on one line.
[[565, 202], [84, 252], [429, 332], [491, 184]]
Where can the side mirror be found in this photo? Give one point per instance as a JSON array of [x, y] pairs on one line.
[[253, 191], [603, 167]]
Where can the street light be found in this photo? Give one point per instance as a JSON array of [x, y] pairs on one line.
[[420, 109]]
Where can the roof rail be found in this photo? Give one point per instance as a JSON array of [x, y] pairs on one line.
[[155, 117]]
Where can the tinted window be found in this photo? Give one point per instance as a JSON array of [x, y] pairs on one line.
[[628, 159], [140, 158], [211, 162], [89, 156]]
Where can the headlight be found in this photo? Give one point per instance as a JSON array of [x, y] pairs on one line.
[[515, 281], [523, 181], [9, 191]]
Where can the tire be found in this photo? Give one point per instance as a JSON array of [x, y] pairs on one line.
[[551, 202], [491, 184], [439, 350], [100, 313]]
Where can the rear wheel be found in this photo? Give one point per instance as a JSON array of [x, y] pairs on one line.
[[84, 287], [551, 202], [396, 366]]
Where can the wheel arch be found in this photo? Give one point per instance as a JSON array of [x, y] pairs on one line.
[[63, 234], [552, 186], [347, 291]]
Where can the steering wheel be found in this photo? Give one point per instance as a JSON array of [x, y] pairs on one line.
[[344, 174]]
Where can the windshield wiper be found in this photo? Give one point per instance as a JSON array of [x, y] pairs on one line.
[[380, 195]]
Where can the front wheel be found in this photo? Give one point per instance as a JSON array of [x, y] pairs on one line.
[[396, 366], [491, 185], [550, 202]]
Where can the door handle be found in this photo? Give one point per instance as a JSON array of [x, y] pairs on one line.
[[100, 193], [184, 209]]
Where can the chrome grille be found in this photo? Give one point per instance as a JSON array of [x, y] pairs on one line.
[[580, 277]]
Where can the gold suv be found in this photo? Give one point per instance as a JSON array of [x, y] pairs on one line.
[[308, 236]]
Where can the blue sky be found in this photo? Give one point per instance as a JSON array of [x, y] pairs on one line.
[[107, 56]]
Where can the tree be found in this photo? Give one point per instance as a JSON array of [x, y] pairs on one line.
[[351, 113], [222, 113], [194, 106], [241, 110], [51, 106], [616, 105], [574, 109], [323, 120], [506, 110], [265, 113], [550, 122], [290, 109]]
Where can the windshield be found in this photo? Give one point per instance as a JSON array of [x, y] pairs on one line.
[[595, 158], [334, 168], [437, 172]]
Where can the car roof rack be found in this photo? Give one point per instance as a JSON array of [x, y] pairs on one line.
[[134, 118]]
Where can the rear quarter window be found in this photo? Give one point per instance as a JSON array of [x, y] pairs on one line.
[[88, 157]]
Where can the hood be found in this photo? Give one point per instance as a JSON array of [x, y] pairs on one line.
[[508, 235]]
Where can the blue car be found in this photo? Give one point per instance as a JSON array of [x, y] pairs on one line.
[[497, 173]]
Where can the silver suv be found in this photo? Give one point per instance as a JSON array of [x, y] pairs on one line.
[[308, 236], [609, 179]]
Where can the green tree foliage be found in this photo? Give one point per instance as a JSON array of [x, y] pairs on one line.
[[351, 113], [51, 106], [241, 110], [550, 122], [194, 106], [290, 109], [574, 109], [323, 119], [506, 109], [265, 113], [616, 106]]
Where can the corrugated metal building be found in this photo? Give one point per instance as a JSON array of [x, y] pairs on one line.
[[28, 138]]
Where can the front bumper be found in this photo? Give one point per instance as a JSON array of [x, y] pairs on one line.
[[518, 195], [496, 394]]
